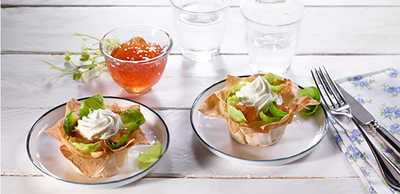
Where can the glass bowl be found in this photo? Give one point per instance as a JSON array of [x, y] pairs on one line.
[[136, 76]]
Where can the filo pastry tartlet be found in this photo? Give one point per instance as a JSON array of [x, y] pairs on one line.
[[97, 153], [257, 108]]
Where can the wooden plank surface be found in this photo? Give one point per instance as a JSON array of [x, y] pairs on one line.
[[347, 36], [167, 3], [27, 75], [41, 185], [325, 30]]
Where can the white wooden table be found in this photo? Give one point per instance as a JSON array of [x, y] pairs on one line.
[[347, 36]]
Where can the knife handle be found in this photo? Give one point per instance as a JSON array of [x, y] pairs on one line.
[[389, 170], [390, 140]]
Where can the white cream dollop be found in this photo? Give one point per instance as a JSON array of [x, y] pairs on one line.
[[100, 124], [258, 94]]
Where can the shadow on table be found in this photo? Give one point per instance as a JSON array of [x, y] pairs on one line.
[[213, 68], [202, 155]]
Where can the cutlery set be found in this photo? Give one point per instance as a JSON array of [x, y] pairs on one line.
[[340, 103], [363, 117]]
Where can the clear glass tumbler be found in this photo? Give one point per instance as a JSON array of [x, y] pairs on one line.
[[152, 45], [272, 29], [200, 26]]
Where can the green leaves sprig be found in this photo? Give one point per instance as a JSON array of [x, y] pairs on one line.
[[91, 59]]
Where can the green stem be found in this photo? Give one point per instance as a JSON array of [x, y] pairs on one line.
[[57, 68], [85, 35]]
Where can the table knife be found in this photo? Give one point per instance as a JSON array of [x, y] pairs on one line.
[[365, 118]]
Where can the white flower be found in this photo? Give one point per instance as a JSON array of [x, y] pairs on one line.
[[84, 47], [68, 53], [100, 68], [85, 72]]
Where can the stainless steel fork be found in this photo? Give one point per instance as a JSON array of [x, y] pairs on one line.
[[337, 105]]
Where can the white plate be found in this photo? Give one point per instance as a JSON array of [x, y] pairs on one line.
[[44, 153], [301, 136]]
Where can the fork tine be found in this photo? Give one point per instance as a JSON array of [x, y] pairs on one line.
[[319, 85], [331, 89], [326, 88], [337, 92]]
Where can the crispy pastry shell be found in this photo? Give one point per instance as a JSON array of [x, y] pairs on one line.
[[257, 132], [104, 162]]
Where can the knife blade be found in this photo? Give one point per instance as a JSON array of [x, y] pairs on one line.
[[365, 118]]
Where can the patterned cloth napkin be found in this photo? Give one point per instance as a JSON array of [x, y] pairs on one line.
[[379, 93]]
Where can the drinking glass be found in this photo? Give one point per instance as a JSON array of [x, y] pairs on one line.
[[200, 25], [272, 29], [136, 76]]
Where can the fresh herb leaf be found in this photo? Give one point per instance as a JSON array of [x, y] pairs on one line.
[[268, 119], [90, 147], [84, 57], [277, 88], [275, 111], [151, 154], [132, 119], [77, 75], [122, 141], [93, 103], [236, 88], [271, 78], [91, 61], [70, 121], [234, 113], [313, 92], [67, 58]]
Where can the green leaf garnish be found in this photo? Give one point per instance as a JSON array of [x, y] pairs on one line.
[[67, 58], [234, 113], [271, 78], [268, 119], [70, 121], [277, 88], [132, 119], [90, 147], [275, 111], [77, 75], [122, 141], [93, 103], [91, 58], [236, 88], [151, 154], [84, 57], [313, 92]]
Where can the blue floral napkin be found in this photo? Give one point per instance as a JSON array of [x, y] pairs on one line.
[[379, 93]]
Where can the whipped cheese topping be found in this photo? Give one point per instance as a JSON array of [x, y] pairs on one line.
[[100, 124], [258, 94]]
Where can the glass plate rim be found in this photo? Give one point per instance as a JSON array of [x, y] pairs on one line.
[[248, 160], [95, 184]]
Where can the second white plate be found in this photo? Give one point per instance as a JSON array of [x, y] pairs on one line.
[[300, 138]]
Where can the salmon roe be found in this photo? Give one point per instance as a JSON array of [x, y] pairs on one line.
[[137, 49]]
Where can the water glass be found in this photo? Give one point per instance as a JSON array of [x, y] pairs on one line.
[[272, 29], [200, 26]]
